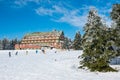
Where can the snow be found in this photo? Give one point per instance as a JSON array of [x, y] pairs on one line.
[[62, 65]]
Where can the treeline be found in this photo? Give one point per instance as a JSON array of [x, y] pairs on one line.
[[6, 44]]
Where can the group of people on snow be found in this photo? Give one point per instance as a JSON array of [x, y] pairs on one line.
[[16, 53], [11, 54]]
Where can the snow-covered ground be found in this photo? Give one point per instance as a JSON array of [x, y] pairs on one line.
[[62, 65]]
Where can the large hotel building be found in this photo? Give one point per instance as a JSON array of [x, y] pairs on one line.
[[37, 40]]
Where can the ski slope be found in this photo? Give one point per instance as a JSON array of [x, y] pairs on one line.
[[62, 65]]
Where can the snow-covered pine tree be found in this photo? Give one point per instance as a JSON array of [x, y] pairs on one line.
[[95, 52], [115, 15], [77, 41]]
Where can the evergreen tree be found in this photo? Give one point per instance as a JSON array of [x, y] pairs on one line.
[[115, 15], [77, 41], [12, 43], [95, 46], [67, 43], [5, 44], [1, 45]]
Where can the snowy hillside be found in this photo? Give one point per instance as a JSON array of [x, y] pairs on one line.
[[62, 65]]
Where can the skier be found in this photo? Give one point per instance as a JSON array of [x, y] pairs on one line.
[[43, 51], [16, 53], [26, 52], [55, 51], [36, 51], [9, 54]]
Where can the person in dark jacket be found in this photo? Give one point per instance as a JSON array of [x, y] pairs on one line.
[[16, 53], [36, 51], [9, 54], [43, 51]]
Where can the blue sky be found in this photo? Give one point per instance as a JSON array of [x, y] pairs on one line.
[[18, 17]]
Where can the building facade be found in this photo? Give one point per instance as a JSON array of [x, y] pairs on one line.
[[37, 40]]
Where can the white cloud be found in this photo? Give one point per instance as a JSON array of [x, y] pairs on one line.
[[43, 11], [60, 12], [22, 3], [70, 16], [73, 16], [74, 20]]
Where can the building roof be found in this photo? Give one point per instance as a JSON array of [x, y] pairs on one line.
[[55, 33]]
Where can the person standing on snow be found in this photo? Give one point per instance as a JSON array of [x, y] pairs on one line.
[[43, 51], [9, 54], [16, 53], [27, 52], [36, 51]]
